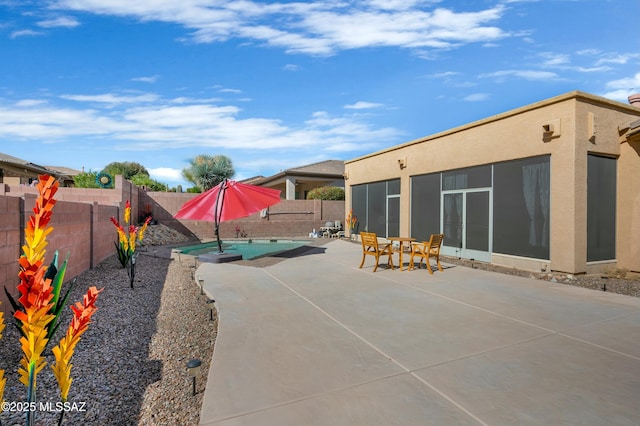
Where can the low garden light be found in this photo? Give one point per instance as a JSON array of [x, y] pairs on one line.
[[201, 284], [193, 368], [132, 268], [210, 302]]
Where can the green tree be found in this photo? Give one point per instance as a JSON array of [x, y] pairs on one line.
[[334, 193], [86, 180], [127, 169], [206, 171], [144, 180]]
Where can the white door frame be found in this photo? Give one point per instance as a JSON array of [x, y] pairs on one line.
[[464, 252]]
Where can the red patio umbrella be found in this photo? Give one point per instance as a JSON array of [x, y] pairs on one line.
[[226, 201]]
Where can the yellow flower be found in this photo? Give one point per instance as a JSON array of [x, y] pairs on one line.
[[64, 351], [34, 327], [1, 322], [3, 381], [127, 212]]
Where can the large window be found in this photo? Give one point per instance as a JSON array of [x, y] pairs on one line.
[[601, 208], [521, 207], [471, 177], [425, 206], [377, 206]]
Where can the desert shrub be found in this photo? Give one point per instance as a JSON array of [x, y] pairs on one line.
[[333, 193]]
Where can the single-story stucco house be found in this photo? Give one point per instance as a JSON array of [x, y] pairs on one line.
[[553, 186], [295, 183]]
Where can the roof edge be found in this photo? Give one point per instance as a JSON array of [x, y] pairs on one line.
[[576, 94]]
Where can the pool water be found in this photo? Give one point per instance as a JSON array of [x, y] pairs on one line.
[[249, 249]]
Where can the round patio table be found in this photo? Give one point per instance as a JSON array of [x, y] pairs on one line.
[[401, 246]]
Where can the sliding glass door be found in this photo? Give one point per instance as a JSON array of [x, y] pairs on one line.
[[466, 223]]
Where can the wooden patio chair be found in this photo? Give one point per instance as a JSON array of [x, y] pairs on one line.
[[371, 247], [426, 250]]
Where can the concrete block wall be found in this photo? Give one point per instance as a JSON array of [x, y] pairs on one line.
[[288, 218], [10, 242], [83, 230]]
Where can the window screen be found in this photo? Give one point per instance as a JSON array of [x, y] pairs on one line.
[[521, 207], [601, 208], [359, 205], [471, 177], [376, 208], [375, 211], [425, 206], [393, 187], [393, 221]]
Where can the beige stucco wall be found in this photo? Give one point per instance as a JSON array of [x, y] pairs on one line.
[[519, 134]]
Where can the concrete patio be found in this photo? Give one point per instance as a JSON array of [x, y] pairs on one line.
[[313, 340]]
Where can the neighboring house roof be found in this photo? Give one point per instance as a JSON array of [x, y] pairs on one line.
[[252, 180], [25, 168], [65, 170], [329, 169]]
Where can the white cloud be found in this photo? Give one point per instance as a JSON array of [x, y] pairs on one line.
[[62, 21], [23, 33], [363, 105], [315, 28], [291, 67], [617, 58], [165, 125], [620, 89], [166, 174], [476, 97], [555, 59], [110, 98], [524, 74], [445, 74], [30, 102], [149, 79], [601, 61]]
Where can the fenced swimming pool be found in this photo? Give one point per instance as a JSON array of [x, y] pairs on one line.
[[249, 249]]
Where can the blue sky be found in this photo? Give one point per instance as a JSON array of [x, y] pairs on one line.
[[275, 85]]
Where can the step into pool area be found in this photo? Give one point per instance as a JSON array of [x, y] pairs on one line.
[[233, 250]]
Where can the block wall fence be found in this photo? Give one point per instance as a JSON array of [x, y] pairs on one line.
[[82, 227]]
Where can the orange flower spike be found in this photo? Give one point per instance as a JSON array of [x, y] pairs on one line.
[[64, 351], [36, 293], [121, 235], [144, 228], [34, 323], [47, 187], [1, 322], [3, 381], [132, 237], [127, 212]]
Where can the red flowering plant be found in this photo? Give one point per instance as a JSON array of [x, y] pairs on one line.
[[39, 307], [128, 235], [352, 223]]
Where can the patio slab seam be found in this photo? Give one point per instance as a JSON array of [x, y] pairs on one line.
[[310, 397], [380, 351], [562, 332]]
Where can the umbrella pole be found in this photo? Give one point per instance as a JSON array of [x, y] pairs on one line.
[[217, 213], [218, 238]]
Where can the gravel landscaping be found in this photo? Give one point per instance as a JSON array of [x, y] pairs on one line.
[[130, 366], [613, 280]]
